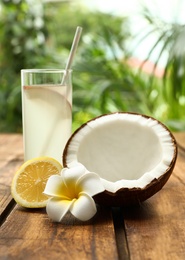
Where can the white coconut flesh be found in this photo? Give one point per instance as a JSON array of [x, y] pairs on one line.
[[125, 150]]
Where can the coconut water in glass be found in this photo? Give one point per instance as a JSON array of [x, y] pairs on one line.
[[46, 112]]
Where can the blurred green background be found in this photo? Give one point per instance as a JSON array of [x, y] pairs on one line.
[[38, 34]]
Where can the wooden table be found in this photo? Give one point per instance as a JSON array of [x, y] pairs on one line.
[[154, 230]]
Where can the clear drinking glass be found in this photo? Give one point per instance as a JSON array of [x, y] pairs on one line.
[[46, 112]]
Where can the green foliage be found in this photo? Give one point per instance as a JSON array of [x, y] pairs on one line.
[[37, 35], [22, 44], [170, 39], [102, 80]]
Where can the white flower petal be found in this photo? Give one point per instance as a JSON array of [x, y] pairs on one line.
[[90, 183], [53, 186], [56, 208], [73, 173], [84, 207]]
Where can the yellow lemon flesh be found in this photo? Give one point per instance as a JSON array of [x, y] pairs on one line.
[[30, 179]]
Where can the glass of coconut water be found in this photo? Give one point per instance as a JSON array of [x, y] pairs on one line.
[[46, 112]]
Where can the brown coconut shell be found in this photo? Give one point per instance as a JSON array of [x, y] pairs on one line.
[[131, 196]]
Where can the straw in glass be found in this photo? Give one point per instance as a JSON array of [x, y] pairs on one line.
[[72, 52]]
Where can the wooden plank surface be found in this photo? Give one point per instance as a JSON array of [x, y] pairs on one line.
[[156, 229], [29, 234], [153, 230], [11, 157]]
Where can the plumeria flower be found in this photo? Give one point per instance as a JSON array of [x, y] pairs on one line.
[[72, 191]]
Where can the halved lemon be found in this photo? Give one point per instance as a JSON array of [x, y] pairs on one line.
[[30, 179]]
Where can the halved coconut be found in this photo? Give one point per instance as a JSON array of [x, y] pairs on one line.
[[133, 154]]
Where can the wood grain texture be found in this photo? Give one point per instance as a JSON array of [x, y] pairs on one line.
[[180, 138], [29, 234], [156, 228], [11, 157], [153, 230]]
